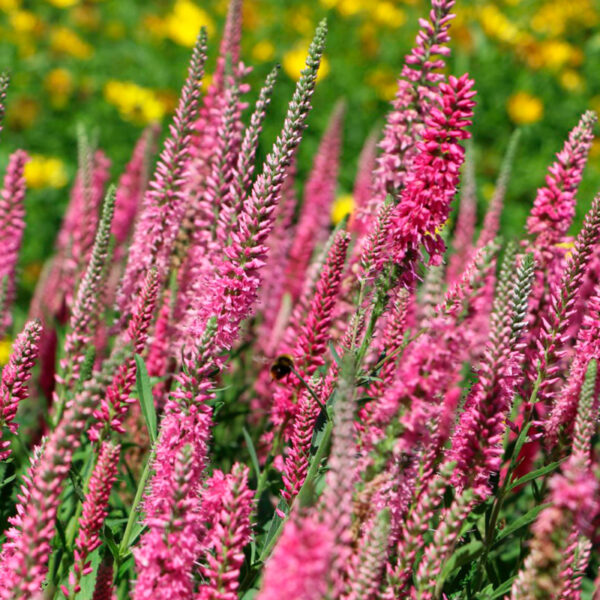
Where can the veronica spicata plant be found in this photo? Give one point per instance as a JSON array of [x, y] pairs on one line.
[[219, 395]]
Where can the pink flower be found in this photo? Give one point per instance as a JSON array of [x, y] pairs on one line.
[[15, 375], [432, 181], [12, 225]]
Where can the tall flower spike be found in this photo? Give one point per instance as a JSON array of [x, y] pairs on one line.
[[4, 81], [313, 334], [363, 186], [116, 399], [412, 101], [103, 590], [462, 241], [230, 44], [230, 535], [13, 385], [584, 421], [87, 303], [491, 222], [12, 225], [233, 293], [476, 445], [553, 337], [93, 514], [164, 202], [314, 220], [587, 347], [431, 186], [554, 207]]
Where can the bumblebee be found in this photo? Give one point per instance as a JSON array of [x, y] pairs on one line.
[[282, 366]]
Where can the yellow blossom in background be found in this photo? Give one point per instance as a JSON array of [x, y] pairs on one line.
[[135, 103], [5, 347], [45, 171], [295, 60], [65, 41], [384, 81], [487, 190], [388, 15], [23, 21], [556, 16], [571, 80], [22, 113], [524, 108], [9, 5], [342, 207], [183, 23], [349, 8], [263, 51], [59, 85], [557, 53], [496, 25], [301, 20], [63, 3]]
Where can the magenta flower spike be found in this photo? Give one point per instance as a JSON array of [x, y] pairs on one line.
[[420, 76], [12, 226], [93, 514], [230, 43], [313, 334], [13, 384], [363, 186], [132, 186], [432, 181], [103, 590], [164, 202], [313, 223], [116, 399], [230, 534], [554, 207]]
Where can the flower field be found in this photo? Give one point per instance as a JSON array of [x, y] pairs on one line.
[[299, 300]]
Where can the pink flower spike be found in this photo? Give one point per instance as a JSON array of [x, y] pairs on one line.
[[554, 207], [313, 224], [103, 590], [230, 534], [15, 375], [432, 181], [164, 202], [94, 511], [12, 225]]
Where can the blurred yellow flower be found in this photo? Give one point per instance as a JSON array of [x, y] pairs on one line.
[[524, 108], [45, 171], [384, 81], [23, 21], [556, 53], [342, 207], [134, 103], [556, 16], [263, 51], [23, 112], [5, 346], [63, 3], [571, 80], [59, 85], [496, 25], [488, 189], [348, 8], [388, 15], [295, 60], [9, 5], [65, 41], [183, 24]]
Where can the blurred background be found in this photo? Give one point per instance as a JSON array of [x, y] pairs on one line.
[[117, 65]]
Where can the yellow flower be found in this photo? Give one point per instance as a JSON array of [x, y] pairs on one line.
[[524, 108], [263, 51], [135, 103], [45, 171], [5, 346], [65, 41], [22, 113], [59, 85], [496, 25], [348, 8], [488, 190], [63, 3], [23, 21], [388, 15], [9, 5], [342, 207], [384, 82], [295, 60], [554, 54], [571, 80], [183, 24]]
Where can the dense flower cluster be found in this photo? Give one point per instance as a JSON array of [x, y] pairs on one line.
[[411, 428]]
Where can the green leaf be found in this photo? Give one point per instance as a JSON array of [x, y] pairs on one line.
[[276, 524], [535, 474], [462, 556], [498, 592], [252, 452], [522, 521], [145, 395]]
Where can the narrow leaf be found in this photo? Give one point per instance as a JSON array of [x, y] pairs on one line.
[[145, 395]]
